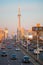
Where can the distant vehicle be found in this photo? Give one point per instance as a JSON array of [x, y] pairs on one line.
[[3, 53], [14, 44], [8, 42], [31, 49], [13, 57], [34, 46], [3, 42], [9, 47], [3, 47], [24, 45], [40, 49], [41, 38], [17, 49], [26, 59], [36, 51], [17, 41]]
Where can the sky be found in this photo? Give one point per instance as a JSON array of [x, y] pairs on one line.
[[31, 13]]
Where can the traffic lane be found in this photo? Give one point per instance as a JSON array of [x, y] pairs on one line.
[[7, 59], [41, 56], [19, 55], [12, 51], [14, 62], [3, 61]]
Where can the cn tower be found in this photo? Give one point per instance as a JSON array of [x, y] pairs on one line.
[[19, 25]]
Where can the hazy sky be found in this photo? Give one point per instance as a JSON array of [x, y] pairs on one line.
[[31, 13]]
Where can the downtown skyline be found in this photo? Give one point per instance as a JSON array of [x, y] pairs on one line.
[[31, 13]]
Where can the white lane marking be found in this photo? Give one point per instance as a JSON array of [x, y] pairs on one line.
[[21, 63], [8, 60], [8, 64]]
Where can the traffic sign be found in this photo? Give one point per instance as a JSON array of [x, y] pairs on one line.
[[37, 28]]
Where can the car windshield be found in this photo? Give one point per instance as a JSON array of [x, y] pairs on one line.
[[3, 52], [26, 57]]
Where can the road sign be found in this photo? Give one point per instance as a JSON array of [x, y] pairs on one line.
[[37, 28]]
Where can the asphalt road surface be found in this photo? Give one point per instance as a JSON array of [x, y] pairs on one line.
[[8, 61]]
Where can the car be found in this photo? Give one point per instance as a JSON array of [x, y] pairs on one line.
[[41, 38], [40, 49], [36, 51], [35, 46], [3, 53], [3, 42], [31, 49], [14, 44], [8, 43], [17, 49], [9, 47], [3, 47], [13, 57], [26, 59]]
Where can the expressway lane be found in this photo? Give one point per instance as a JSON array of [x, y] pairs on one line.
[[8, 61], [19, 55]]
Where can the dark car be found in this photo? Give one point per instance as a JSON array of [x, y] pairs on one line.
[[3, 53], [13, 57], [31, 49], [26, 59]]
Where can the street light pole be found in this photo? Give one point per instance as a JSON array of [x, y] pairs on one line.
[[37, 45], [27, 45]]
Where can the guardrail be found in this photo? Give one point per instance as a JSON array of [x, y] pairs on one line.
[[37, 60]]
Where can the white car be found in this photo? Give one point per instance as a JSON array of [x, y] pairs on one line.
[[17, 49], [40, 49], [36, 51]]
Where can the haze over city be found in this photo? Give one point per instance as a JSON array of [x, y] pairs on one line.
[[21, 32], [31, 13]]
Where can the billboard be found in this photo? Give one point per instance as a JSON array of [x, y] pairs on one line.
[[37, 28]]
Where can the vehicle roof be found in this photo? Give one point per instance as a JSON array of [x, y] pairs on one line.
[[13, 55], [26, 56], [3, 51]]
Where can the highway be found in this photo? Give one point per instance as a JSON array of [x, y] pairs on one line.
[[8, 61], [19, 54]]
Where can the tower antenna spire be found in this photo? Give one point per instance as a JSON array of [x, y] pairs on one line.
[[19, 15]]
